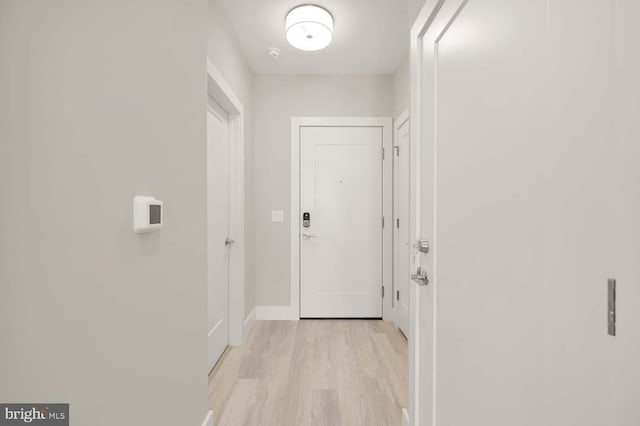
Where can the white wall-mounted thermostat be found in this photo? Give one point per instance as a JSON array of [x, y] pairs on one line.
[[147, 214]]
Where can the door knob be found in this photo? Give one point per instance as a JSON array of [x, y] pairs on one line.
[[420, 277], [308, 235], [422, 246]]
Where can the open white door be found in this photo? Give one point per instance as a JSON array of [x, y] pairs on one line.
[[218, 230], [522, 135]]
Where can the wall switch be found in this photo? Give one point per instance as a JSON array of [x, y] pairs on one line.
[[611, 307], [277, 216]]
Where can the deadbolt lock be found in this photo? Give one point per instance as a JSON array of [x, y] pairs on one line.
[[422, 246]]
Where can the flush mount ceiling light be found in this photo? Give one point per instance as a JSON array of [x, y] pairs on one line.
[[309, 27]]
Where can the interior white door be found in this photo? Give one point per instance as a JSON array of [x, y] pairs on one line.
[[523, 131], [401, 243], [479, 208], [217, 230], [341, 248]]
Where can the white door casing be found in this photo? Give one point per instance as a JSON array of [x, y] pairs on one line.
[[220, 91], [218, 230], [401, 223], [385, 126], [431, 25], [341, 250]]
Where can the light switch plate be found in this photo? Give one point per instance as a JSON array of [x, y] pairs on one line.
[[277, 216]]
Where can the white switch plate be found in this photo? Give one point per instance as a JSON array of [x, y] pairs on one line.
[[277, 216]]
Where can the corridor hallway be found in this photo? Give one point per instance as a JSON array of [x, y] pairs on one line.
[[312, 372]]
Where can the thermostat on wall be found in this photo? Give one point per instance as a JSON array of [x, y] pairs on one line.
[[147, 214]]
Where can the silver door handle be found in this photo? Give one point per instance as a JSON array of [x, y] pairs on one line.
[[420, 277], [228, 242], [308, 235], [422, 246]]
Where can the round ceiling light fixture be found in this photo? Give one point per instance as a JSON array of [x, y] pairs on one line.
[[309, 27]]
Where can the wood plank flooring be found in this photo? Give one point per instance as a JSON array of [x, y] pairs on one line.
[[312, 372]]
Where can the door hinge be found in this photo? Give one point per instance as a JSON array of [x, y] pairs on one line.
[[382, 222], [397, 148], [383, 292], [397, 222], [397, 294], [383, 153]]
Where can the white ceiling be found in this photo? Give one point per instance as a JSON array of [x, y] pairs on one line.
[[370, 36]]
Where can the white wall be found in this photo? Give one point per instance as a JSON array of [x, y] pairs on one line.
[[624, 210], [277, 99], [414, 9], [224, 50], [102, 101], [401, 87], [401, 77]]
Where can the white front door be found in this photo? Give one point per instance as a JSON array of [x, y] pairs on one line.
[[341, 222], [218, 230], [401, 242]]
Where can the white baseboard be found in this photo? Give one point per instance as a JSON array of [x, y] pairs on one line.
[[208, 420], [405, 417], [248, 324], [275, 313]]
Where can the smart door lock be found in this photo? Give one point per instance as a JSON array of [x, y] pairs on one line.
[[306, 219]]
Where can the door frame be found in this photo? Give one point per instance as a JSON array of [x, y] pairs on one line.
[[220, 91], [385, 123], [397, 124], [423, 415]]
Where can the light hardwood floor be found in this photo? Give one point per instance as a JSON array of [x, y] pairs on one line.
[[312, 372]]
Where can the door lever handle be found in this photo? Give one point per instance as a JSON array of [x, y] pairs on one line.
[[228, 242], [308, 235], [420, 277]]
